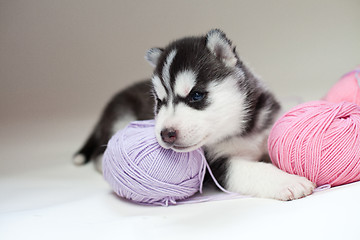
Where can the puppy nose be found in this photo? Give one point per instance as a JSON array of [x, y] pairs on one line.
[[168, 135]]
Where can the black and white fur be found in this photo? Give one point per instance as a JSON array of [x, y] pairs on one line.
[[205, 97]]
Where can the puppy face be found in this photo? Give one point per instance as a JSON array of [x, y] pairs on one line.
[[198, 97]]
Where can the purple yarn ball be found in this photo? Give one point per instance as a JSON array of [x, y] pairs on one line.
[[139, 169]]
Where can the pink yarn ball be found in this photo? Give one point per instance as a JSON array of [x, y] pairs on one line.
[[320, 141], [346, 89]]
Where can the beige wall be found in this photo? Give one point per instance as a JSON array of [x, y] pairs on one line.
[[66, 58]]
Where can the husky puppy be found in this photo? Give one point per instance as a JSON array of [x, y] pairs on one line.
[[202, 95]]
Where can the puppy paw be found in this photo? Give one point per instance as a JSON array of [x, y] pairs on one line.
[[267, 181], [293, 187]]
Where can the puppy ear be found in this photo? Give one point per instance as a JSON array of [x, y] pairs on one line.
[[220, 46], [152, 55]]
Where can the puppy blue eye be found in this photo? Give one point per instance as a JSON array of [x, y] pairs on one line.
[[196, 96]]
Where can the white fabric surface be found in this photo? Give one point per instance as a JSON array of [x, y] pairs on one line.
[[44, 196]]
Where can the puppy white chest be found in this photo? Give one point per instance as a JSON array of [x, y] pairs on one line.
[[250, 147]]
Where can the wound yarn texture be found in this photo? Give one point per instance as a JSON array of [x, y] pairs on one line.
[[346, 89], [139, 169], [320, 141]]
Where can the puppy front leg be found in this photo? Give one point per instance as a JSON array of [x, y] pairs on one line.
[[265, 180]]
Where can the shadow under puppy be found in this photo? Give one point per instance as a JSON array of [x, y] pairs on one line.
[[202, 95]]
